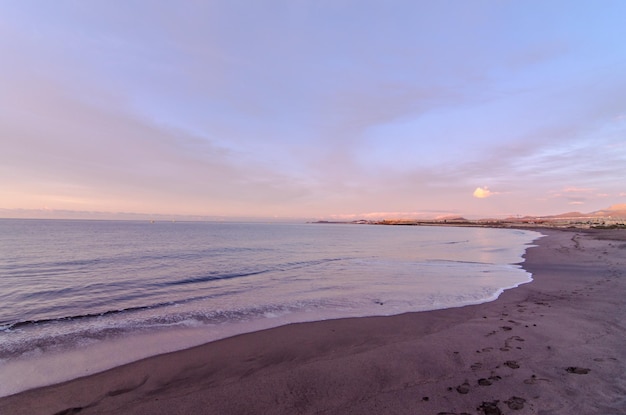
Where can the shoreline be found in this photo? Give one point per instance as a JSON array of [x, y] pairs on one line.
[[553, 345], [409, 265]]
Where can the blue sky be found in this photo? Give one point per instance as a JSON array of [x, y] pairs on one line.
[[313, 109]]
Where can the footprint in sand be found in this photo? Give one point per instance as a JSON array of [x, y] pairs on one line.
[[534, 379], [512, 364], [476, 366], [490, 408], [507, 343], [578, 370], [484, 382], [463, 388], [516, 403]]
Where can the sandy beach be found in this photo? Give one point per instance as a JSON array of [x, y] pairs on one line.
[[553, 346]]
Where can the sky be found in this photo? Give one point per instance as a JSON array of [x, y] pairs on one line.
[[328, 109]]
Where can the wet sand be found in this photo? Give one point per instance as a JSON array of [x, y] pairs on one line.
[[553, 346]]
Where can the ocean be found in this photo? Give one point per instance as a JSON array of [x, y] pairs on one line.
[[78, 297]]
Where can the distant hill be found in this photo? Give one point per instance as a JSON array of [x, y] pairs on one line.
[[615, 211], [569, 215], [612, 212]]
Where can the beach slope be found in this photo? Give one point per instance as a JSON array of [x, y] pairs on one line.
[[553, 346]]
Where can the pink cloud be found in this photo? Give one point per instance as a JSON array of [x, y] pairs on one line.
[[573, 189]]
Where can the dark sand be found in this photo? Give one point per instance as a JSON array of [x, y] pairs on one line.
[[554, 346]]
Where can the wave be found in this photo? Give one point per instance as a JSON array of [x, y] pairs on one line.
[[4, 326], [226, 276], [50, 268], [40, 336], [11, 325], [208, 278]]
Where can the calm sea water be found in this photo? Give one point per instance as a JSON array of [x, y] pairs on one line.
[[72, 290]]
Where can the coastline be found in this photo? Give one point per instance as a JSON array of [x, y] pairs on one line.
[[551, 346]]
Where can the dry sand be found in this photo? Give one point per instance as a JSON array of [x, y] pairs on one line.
[[554, 346]]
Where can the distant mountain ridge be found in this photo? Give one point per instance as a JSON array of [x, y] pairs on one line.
[[615, 212], [610, 214]]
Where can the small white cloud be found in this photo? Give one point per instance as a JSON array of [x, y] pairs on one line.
[[483, 192]]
